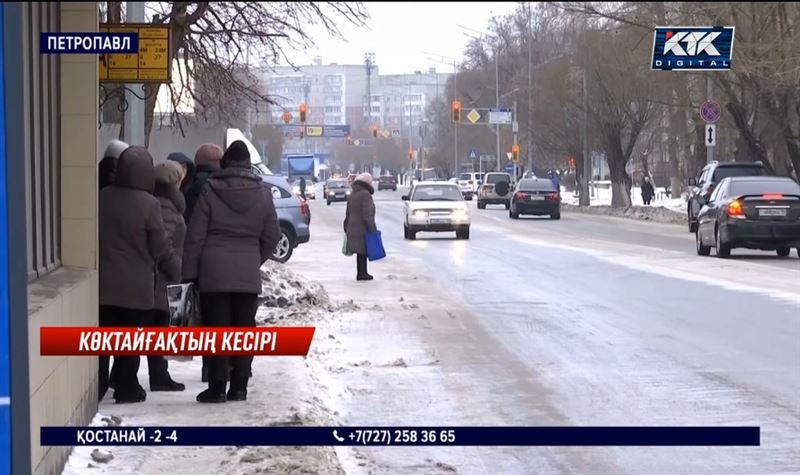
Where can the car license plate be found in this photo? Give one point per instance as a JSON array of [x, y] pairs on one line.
[[772, 212], [537, 198], [440, 221]]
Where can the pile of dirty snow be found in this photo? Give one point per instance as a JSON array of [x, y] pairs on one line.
[[657, 214], [289, 298]]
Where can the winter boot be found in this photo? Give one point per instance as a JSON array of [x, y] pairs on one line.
[[214, 394], [238, 390], [140, 395], [204, 374], [167, 384], [364, 277]]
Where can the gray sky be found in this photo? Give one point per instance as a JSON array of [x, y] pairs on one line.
[[397, 32]]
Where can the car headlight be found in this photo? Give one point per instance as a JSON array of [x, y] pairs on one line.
[[331, 193], [460, 213], [420, 213], [347, 192]]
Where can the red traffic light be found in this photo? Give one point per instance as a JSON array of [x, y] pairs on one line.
[[374, 131], [302, 109], [456, 111]]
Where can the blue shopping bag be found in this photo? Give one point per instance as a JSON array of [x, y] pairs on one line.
[[374, 243]]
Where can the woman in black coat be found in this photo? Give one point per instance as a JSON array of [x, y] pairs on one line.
[[360, 218]]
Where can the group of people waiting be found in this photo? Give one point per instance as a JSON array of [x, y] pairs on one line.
[[208, 221]]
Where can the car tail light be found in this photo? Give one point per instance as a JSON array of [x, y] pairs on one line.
[[772, 196], [520, 196], [552, 196], [302, 206], [735, 209]]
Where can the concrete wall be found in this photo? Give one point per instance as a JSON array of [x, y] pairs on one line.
[[63, 390]]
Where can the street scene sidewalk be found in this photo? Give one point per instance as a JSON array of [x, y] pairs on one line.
[[446, 335]]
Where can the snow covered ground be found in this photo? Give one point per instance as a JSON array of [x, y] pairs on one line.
[[602, 197]]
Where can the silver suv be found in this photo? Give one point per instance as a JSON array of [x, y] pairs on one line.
[[294, 216], [496, 189]]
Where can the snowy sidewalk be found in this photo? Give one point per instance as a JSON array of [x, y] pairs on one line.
[[281, 392]]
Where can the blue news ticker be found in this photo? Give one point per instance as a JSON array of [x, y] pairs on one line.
[[88, 43], [402, 436]]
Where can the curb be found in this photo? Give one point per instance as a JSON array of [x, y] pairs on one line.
[[638, 213]]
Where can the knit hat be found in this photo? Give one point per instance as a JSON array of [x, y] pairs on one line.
[[115, 148], [209, 154], [168, 173], [237, 155]]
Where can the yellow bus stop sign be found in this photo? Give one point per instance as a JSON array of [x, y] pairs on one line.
[[152, 62]]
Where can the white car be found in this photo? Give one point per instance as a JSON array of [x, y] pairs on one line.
[[435, 207], [468, 183], [311, 189]]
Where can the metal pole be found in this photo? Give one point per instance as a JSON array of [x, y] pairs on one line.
[[497, 96], [134, 114], [515, 129], [529, 135], [455, 125], [709, 96], [587, 161]]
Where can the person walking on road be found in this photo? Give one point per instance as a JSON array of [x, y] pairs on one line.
[[133, 245], [360, 218], [207, 160], [169, 176], [648, 192], [303, 187], [233, 230]]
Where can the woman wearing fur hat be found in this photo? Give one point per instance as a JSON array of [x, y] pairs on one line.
[[360, 218]]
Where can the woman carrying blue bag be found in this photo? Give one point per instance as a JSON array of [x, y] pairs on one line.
[[362, 236]]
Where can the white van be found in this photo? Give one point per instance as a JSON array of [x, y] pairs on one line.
[[258, 166], [468, 183]]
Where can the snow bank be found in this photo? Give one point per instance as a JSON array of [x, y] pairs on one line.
[[658, 214], [287, 297]]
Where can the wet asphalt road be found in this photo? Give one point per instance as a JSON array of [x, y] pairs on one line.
[[553, 331]]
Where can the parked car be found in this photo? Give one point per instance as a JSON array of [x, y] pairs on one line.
[[336, 190], [495, 190], [294, 216], [435, 207], [750, 212], [387, 182], [536, 196], [710, 176]]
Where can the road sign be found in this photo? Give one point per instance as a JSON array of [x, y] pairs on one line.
[[501, 116], [510, 168], [287, 117], [711, 112], [509, 155], [387, 133], [313, 131], [396, 133], [515, 127], [473, 154], [473, 116], [487, 158], [711, 135], [356, 142], [152, 62]]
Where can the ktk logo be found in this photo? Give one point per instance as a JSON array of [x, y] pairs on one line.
[[677, 48], [696, 43]]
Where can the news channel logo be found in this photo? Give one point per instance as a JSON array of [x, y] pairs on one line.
[[692, 48]]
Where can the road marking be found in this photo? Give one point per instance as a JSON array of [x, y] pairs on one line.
[[5, 401]]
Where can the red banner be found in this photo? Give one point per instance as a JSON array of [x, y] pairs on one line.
[[200, 341]]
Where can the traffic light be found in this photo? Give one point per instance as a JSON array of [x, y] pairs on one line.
[[349, 140], [302, 113], [410, 154], [515, 153], [302, 133], [456, 111], [374, 131]]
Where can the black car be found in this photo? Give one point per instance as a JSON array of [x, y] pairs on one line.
[[710, 176], [750, 212], [387, 182], [336, 190], [536, 196]]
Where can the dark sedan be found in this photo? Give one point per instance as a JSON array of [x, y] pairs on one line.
[[336, 190], [536, 196], [750, 212]]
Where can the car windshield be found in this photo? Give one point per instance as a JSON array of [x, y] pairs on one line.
[[536, 185], [494, 179], [436, 193], [387, 178], [337, 184], [465, 177], [754, 187], [725, 172]]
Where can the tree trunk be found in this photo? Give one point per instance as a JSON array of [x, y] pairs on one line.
[[581, 181], [620, 181]]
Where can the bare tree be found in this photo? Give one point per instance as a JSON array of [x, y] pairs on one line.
[[213, 41]]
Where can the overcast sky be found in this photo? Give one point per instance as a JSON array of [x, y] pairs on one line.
[[398, 32]]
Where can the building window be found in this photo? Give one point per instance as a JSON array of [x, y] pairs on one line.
[[42, 141]]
